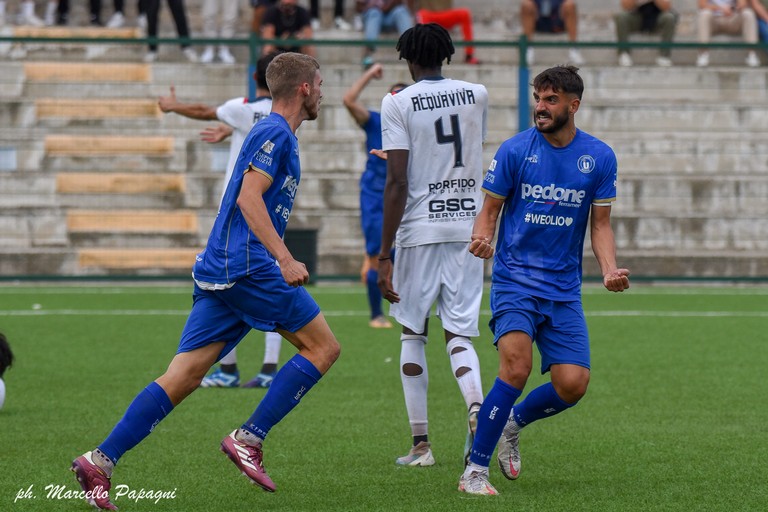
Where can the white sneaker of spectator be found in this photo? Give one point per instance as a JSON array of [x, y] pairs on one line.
[[663, 62], [141, 22], [50, 14], [575, 57], [225, 56], [342, 24], [150, 57], [625, 60], [357, 23], [530, 56], [207, 56], [753, 60], [190, 54], [116, 21], [702, 60], [315, 24]]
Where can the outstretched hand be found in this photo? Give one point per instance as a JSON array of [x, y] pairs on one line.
[[215, 133], [166, 103], [617, 280]]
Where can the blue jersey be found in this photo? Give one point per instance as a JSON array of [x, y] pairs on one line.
[[548, 193], [375, 175], [233, 251]]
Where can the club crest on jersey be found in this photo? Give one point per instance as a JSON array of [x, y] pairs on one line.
[[268, 146], [586, 164]]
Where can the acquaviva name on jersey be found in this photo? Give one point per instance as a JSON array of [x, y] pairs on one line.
[[445, 99]]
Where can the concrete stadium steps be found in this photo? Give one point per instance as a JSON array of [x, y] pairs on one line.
[[107, 145], [76, 108], [107, 44], [121, 190], [132, 221], [32, 227], [137, 260], [35, 261], [133, 228], [686, 264], [81, 72]]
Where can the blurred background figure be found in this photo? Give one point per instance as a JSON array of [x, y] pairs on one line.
[[378, 16], [731, 17], [219, 19], [649, 16], [338, 15], [551, 17], [444, 14], [287, 20]]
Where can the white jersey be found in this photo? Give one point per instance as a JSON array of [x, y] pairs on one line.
[[241, 116], [442, 123]]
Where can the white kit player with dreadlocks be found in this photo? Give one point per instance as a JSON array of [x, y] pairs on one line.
[[433, 134]]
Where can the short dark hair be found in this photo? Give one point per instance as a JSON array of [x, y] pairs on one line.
[[426, 44], [563, 78], [6, 356], [261, 69]]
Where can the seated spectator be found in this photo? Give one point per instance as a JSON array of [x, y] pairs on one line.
[[219, 19], [649, 16], [26, 14], [553, 17], [286, 20], [381, 15], [443, 13], [726, 17], [259, 8], [338, 15], [761, 12]]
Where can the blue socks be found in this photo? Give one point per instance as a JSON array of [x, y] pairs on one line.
[[140, 419], [374, 294], [540, 403], [491, 419], [292, 382]]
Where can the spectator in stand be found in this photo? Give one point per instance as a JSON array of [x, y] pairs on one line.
[[259, 9], [117, 19], [224, 14], [338, 15], [179, 13], [650, 16], [379, 15], [726, 17], [553, 17], [761, 12], [443, 13], [26, 14], [287, 20]]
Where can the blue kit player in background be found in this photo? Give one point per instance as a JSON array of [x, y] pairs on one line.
[[544, 183], [245, 279], [371, 188]]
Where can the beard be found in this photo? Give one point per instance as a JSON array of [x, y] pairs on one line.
[[556, 124]]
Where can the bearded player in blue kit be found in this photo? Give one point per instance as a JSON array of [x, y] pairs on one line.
[[244, 279], [544, 183]]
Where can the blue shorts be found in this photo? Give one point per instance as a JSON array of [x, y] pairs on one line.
[[559, 329], [371, 218], [265, 303]]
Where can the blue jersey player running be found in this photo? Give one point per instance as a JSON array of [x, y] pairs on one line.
[[544, 183], [244, 279], [371, 188]]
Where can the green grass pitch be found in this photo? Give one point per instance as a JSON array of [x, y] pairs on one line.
[[675, 419]]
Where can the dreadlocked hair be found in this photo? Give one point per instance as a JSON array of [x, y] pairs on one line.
[[427, 45]]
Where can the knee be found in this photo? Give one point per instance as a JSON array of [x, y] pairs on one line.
[[572, 387], [515, 372], [331, 352]]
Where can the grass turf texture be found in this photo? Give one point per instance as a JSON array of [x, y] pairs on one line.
[[675, 417]]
